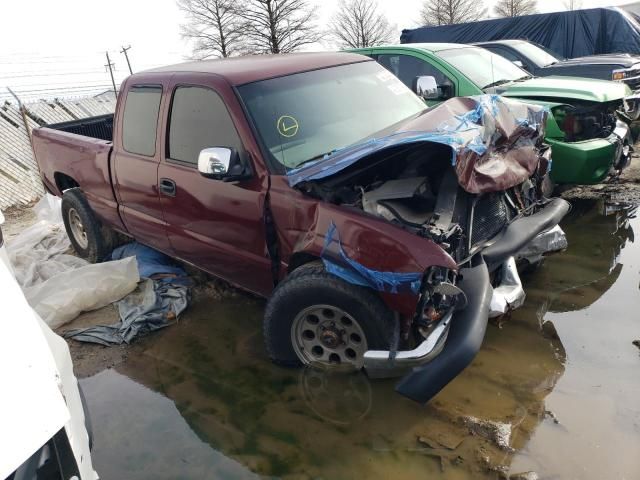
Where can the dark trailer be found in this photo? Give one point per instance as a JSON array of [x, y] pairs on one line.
[[569, 34]]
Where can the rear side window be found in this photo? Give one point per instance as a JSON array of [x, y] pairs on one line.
[[140, 120], [199, 120]]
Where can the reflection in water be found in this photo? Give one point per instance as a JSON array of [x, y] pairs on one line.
[[203, 400], [338, 397]]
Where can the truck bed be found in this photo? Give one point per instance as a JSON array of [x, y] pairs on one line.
[[100, 127], [68, 160]]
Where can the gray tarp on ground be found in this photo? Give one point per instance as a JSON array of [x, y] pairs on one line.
[[569, 34], [157, 302]]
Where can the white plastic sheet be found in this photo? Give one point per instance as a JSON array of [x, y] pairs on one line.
[[59, 285], [65, 295], [37, 253]]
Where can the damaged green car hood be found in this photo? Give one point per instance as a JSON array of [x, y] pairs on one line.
[[565, 88]]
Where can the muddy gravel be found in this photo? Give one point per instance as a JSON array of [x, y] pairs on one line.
[[624, 189]]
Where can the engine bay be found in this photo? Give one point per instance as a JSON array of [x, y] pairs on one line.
[[416, 187]]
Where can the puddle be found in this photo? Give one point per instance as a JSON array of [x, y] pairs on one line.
[[203, 401]]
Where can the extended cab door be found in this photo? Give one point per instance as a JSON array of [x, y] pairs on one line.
[[135, 158], [215, 225]]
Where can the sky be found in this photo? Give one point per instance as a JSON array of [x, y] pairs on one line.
[[57, 48]]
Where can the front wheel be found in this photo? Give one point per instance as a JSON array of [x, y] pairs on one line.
[[313, 317]]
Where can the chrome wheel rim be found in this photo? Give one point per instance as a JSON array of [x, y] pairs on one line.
[[77, 228], [328, 335]]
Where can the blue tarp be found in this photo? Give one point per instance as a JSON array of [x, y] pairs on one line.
[[569, 34], [155, 304]]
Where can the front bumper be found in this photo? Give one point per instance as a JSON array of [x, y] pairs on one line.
[[464, 339], [591, 161], [455, 341], [585, 162]]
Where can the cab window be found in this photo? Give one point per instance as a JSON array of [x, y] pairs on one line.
[[140, 119], [199, 119]]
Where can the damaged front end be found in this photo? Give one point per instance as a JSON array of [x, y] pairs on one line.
[[467, 176]]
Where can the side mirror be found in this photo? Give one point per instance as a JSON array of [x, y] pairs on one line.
[[426, 87], [518, 63], [221, 163]]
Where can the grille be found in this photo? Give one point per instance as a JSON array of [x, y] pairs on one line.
[[633, 78], [633, 83], [489, 217]]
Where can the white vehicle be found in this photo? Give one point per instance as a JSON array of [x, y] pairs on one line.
[[44, 427]]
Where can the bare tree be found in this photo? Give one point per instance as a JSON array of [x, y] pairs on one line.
[[358, 24], [515, 8], [278, 26], [214, 26], [447, 12], [572, 4]]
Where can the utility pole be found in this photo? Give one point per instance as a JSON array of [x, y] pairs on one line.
[[111, 67], [124, 51]]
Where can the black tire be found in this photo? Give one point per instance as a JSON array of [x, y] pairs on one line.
[[311, 285], [99, 239]]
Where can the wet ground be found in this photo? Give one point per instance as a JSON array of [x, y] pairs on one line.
[[555, 389], [201, 400]]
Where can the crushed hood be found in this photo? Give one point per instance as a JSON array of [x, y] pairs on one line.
[[495, 142], [566, 89]]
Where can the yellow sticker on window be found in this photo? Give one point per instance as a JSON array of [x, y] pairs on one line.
[[287, 126]]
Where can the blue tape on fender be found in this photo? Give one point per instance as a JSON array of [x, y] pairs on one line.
[[337, 262]]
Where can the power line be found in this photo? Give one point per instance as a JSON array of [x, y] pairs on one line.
[[86, 72], [35, 61], [68, 83], [62, 89]]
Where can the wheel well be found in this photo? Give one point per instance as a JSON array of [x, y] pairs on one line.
[[64, 182], [300, 258]]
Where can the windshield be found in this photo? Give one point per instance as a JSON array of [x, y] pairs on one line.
[[537, 55], [481, 66], [303, 116]]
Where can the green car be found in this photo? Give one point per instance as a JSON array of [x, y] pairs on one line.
[[588, 139]]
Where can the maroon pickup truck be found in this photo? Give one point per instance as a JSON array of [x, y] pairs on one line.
[[380, 231]]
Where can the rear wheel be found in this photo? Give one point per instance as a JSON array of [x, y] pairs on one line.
[[90, 239], [313, 317]]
